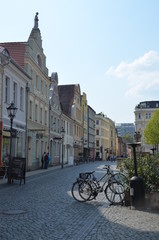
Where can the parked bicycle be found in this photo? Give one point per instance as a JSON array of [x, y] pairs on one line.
[[87, 186]]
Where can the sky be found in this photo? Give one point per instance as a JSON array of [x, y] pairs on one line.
[[109, 47]]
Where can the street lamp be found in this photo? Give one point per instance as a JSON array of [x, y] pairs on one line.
[[137, 192], [51, 89], [11, 114], [63, 135], [4, 60]]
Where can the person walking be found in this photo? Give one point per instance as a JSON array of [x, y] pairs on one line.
[[47, 160], [43, 160]]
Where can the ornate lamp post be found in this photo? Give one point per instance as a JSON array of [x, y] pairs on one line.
[[63, 135], [137, 192], [51, 89], [4, 60], [11, 114]]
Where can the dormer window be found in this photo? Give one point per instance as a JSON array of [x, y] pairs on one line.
[[39, 60]]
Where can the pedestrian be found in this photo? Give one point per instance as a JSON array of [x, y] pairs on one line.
[[43, 160], [47, 160]]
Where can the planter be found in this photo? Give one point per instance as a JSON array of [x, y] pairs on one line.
[[153, 200], [127, 201]]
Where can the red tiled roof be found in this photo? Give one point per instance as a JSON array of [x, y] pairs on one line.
[[66, 96], [16, 50]]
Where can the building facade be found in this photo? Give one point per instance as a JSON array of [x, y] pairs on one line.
[[91, 133], [30, 56], [102, 136], [84, 112], [125, 129], [143, 113], [14, 91]]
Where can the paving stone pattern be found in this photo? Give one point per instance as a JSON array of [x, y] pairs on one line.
[[43, 209]]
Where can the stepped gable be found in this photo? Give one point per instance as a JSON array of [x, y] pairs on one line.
[[17, 51], [66, 96]]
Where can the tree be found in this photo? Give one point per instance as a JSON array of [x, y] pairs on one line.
[[151, 132], [128, 138]]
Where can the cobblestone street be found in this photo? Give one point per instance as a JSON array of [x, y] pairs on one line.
[[43, 209]]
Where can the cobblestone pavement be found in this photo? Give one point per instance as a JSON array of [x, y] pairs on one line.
[[43, 209]]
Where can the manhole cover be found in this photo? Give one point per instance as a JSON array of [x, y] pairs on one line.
[[13, 212]]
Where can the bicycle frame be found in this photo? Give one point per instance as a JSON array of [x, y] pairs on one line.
[[107, 177]]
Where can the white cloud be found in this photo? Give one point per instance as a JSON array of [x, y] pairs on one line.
[[141, 75]]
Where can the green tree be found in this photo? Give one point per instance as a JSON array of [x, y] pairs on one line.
[[128, 138], [151, 132]]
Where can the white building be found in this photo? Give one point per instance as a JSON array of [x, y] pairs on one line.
[[15, 80], [143, 113]]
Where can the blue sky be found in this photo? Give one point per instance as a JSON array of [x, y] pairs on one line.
[[109, 47]]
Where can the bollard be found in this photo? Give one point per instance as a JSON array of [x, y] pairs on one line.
[[137, 192]]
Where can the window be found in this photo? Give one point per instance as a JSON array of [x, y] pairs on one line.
[[36, 112], [45, 90], [52, 123], [30, 110], [15, 93], [97, 122], [45, 117], [42, 91], [97, 132], [149, 115], [146, 116], [58, 125], [37, 82], [37, 148], [21, 98], [139, 116], [97, 143], [7, 89], [39, 60], [41, 115]]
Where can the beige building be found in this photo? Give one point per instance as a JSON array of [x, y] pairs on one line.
[[102, 137], [84, 111], [70, 98], [106, 137], [113, 143], [143, 113], [30, 56]]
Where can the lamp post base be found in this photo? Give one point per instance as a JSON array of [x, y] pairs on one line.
[[137, 192]]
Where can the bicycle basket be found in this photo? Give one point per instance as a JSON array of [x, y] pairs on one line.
[[83, 175]]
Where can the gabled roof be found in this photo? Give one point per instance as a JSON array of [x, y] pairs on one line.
[[66, 96], [17, 51]]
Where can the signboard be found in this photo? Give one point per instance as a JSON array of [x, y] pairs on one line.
[[17, 170]]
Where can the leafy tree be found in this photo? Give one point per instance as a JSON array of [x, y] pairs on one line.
[[151, 132], [128, 138]]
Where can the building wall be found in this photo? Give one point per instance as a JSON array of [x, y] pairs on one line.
[[14, 89], [38, 100], [55, 122], [84, 112], [78, 126], [125, 128], [91, 133], [143, 113], [68, 140], [102, 136]]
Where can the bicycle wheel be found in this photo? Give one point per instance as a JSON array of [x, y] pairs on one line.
[[81, 191], [121, 178], [114, 192]]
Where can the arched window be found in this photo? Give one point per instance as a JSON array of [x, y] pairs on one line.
[[39, 60]]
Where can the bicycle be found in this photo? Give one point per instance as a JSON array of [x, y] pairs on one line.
[[87, 187]]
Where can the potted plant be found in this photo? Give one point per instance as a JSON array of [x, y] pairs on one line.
[[148, 170]]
